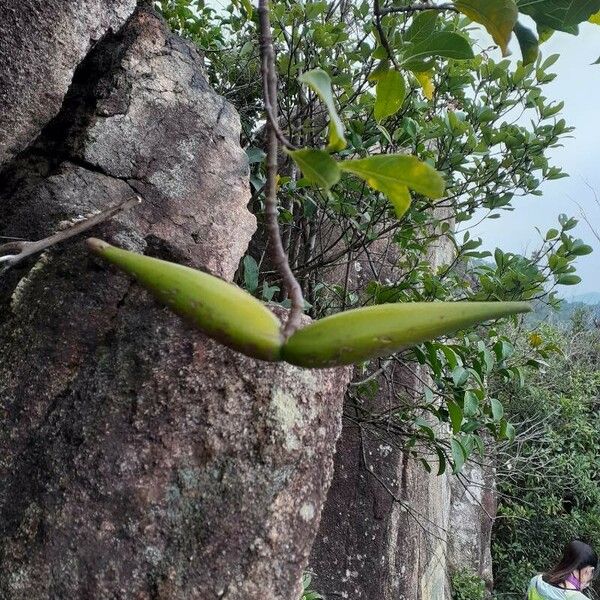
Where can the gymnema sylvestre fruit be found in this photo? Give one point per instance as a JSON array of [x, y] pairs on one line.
[[238, 320]]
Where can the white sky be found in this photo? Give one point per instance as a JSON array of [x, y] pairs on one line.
[[578, 84]]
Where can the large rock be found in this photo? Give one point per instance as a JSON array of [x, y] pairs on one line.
[[386, 525], [41, 44], [472, 514], [138, 459]]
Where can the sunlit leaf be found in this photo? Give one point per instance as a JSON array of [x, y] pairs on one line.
[[497, 16], [391, 174], [425, 79], [458, 454], [319, 81]]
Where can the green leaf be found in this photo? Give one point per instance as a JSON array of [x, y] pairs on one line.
[[471, 404], [456, 415], [527, 42], [459, 376], [510, 432], [250, 274], [317, 166], [441, 460], [595, 18], [319, 82], [365, 333], [443, 43], [497, 16], [497, 409], [458, 454], [391, 91], [568, 280], [392, 174], [422, 27], [563, 15]]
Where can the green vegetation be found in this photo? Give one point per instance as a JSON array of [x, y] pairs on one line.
[[549, 480], [467, 585]]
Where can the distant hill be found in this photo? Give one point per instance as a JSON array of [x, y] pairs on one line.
[[589, 298], [590, 303]]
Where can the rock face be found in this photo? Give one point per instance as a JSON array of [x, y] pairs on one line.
[[138, 459], [389, 529], [474, 506], [384, 527], [41, 44]]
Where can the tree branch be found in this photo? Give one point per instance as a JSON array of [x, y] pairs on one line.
[[416, 8], [13, 253], [280, 260]]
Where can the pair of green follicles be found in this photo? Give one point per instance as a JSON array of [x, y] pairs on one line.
[[230, 315]]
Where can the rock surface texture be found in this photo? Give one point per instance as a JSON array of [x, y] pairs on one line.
[[389, 529], [138, 459], [41, 44]]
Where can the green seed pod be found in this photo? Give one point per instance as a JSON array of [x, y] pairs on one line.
[[220, 309], [366, 333]]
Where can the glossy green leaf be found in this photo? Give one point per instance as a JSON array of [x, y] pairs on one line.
[[528, 43], [317, 166], [220, 309], [497, 16], [318, 80], [441, 460], [366, 333], [392, 174], [390, 94]]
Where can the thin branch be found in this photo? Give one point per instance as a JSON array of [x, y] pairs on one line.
[[382, 36], [416, 8], [280, 260], [13, 253]]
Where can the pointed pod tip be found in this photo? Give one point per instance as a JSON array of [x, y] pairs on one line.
[[97, 246]]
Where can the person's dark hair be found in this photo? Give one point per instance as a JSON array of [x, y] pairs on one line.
[[576, 555]]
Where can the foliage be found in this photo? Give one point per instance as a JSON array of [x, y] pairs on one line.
[[548, 480], [307, 593], [467, 585], [359, 84]]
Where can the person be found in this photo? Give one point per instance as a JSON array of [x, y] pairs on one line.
[[566, 580]]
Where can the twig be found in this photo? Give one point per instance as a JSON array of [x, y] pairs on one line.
[[13, 253], [382, 36], [280, 260], [416, 8]]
